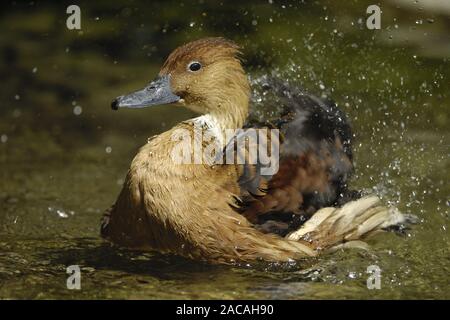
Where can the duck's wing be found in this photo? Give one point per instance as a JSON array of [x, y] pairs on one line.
[[315, 161]]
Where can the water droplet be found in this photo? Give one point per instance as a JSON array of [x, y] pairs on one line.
[[77, 110], [17, 97], [34, 69], [4, 138], [108, 149], [62, 214]]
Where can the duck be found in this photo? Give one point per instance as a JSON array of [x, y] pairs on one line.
[[233, 213]]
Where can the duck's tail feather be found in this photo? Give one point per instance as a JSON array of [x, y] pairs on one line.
[[330, 227]]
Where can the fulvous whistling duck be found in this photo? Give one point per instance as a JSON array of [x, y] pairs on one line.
[[231, 213]]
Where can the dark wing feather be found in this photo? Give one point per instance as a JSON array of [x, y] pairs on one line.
[[315, 161]]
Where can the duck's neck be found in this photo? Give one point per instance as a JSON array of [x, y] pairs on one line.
[[230, 111], [232, 116], [229, 116], [226, 108]]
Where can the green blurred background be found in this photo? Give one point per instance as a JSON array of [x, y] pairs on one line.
[[64, 153]]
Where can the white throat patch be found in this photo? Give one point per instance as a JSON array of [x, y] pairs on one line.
[[209, 122]]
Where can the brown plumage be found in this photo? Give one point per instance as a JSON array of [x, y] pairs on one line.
[[217, 212]]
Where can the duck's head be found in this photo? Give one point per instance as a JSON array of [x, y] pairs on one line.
[[205, 76]]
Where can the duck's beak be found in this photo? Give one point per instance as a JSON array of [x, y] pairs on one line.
[[156, 93]]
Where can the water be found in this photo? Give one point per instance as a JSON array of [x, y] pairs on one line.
[[64, 153]]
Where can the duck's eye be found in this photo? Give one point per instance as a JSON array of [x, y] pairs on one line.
[[194, 66]]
